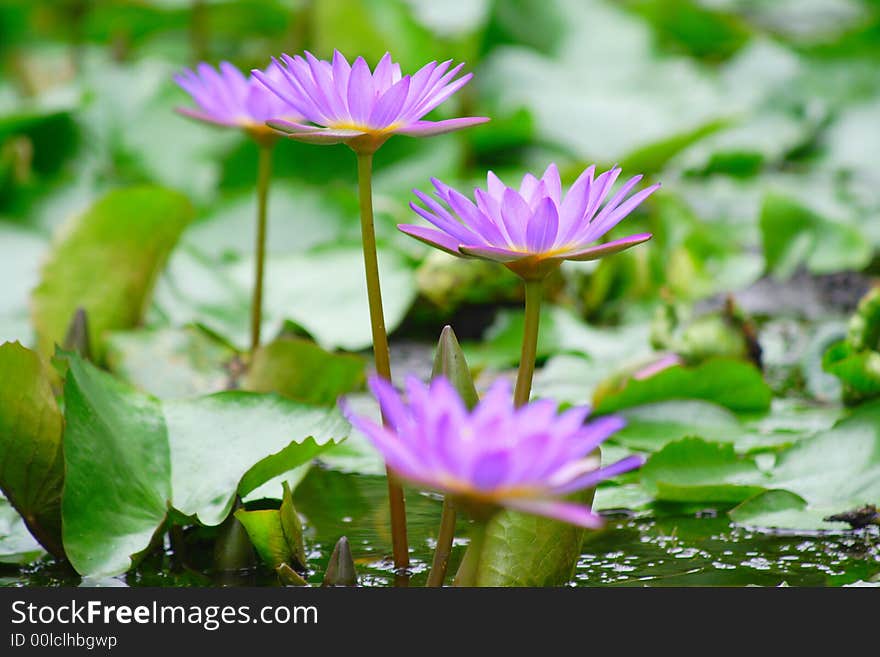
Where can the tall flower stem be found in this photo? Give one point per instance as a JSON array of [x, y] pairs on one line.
[[380, 344], [264, 173], [534, 292], [444, 545], [470, 565]]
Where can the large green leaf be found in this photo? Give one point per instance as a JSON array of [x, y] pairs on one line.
[[693, 470], [652, 426], [838, 468], [780, 509], [301, 370], [231, 442], [733, 384], [32, 465], [131, 457], [118, 464], [106, 262]]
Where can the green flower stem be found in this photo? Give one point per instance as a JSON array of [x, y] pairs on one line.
[[534, 291], [264, 173], [444, 545], [470, 565], [380, 345]]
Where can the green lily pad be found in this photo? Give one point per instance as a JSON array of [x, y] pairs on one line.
[[693, 470], [733, 384], [781, 509], [107, 262], [230, 443], [652, 426], [118, 471], [130, 458]]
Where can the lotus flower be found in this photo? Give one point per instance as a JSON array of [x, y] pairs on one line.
[[348, 103], [226, 97], [495, 456], [532, 229]]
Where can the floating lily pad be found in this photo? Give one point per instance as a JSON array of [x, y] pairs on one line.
[[130, 458], [733, 384]]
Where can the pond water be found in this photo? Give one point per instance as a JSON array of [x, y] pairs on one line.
[[665, 548]]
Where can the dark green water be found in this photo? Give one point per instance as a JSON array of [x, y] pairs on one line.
[[671, 548]]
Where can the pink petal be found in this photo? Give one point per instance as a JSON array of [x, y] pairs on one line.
[[609, 248], [431, 237], [432, 128], [575, 514]]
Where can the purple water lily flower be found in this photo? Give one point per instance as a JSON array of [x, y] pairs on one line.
[[226, 97], [348, 103], [532, 229], [525, 458]]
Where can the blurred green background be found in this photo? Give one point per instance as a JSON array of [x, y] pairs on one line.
[[760, 117]]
